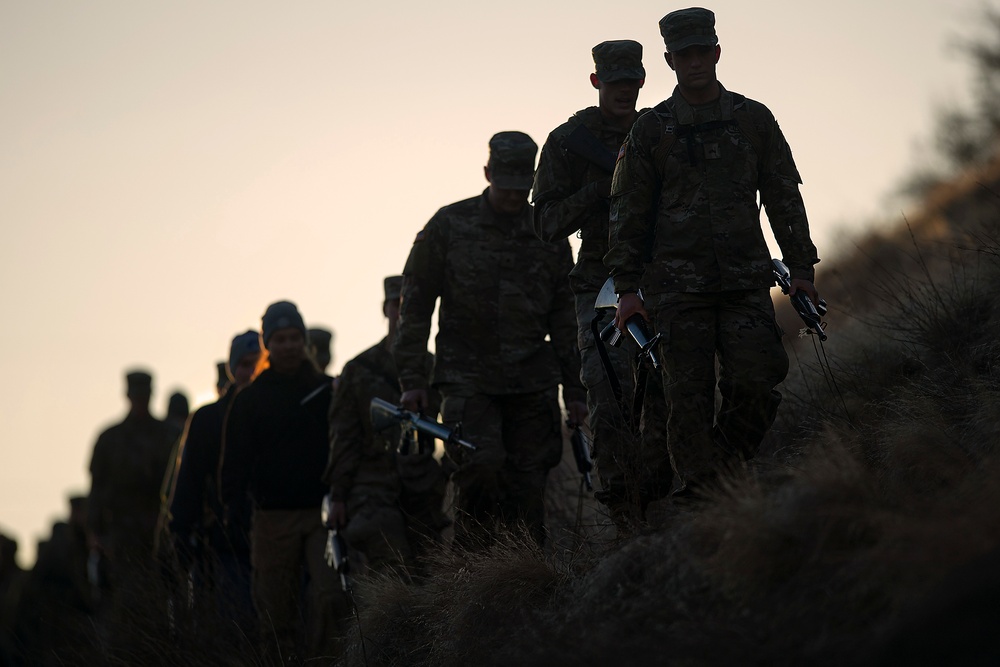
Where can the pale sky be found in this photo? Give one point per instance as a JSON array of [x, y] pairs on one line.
[[168, 169]]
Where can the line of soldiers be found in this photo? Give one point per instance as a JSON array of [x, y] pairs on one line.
[[665, 201]]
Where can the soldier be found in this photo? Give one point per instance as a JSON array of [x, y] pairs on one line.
[[571, 195], [178, 409], [200, 540], [388, 503], [54, 617], [506, 339], [276, 446], [320, 343], [12, 580], [684, 195], [127, 468]]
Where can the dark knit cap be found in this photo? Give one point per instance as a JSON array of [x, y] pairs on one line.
[[243, 344], [281, 315]]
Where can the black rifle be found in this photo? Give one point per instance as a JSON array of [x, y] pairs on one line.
[[581, 452], [336, 548], [386, 415], [810, 313], [582, 142]]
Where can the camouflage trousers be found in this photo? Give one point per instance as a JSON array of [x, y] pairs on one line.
[[630, 456], [394, 510], [737, 331], [518, 439], [284, 543]]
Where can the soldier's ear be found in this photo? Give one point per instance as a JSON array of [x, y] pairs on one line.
[[669, 57], [594, 81], [486, 173]]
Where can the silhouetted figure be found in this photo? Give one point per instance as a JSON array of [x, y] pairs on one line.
[[12, 579], [388, 503], [178, 409], [216, 559], [506, 341], [321, 347], [127, 471], [276, 445], [54, 615]]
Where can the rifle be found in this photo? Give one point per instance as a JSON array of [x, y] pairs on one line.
[[336, 548], [635, 326], [581, 452], [810, 313], [386, 415]]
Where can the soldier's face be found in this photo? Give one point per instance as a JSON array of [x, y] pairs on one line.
[[286, 350], [695, 66], [243, 372], [505, 201], [617, 98]]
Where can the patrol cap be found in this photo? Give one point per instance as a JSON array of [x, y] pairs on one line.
[[138, 383], [393, 287], [243, 344], [512, 160], [280, 315], [688, 27], [618, 59], [320, 340]]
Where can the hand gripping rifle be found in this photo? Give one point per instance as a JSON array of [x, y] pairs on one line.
[[635, 326], [336, 547], [810, 313], [386, 415]]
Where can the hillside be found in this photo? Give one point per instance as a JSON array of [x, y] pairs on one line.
[[866, 531]]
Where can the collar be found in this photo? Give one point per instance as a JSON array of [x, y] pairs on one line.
[[684, 112]]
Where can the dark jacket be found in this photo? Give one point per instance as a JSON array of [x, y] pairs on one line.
[[276, 442], [196, 509]]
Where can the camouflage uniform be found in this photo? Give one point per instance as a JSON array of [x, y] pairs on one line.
[[505, 341], [687, 178], [567, 199], [393, 501]]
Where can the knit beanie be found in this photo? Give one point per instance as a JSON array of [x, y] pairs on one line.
[[281, 315], [243, 344]]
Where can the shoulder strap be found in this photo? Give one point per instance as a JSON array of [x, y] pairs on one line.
[[746, 122], [667, 137]]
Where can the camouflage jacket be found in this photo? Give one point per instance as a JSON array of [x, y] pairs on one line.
[[357, 453], [684, 213], [507, 323], [126, 471], [566, 197]]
